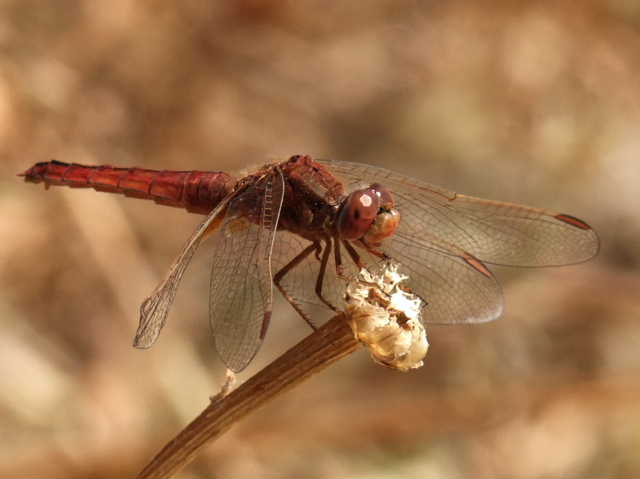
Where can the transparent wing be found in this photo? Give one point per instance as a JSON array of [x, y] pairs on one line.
[[457, 287], [492, 231], [155, 308], [299, 283], [241, 279]]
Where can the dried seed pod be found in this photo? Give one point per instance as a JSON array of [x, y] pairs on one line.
[[386, 318]]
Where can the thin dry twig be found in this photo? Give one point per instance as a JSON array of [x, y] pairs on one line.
[[332, 341]]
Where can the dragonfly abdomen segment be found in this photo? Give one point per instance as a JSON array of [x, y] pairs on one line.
[[196, 191]]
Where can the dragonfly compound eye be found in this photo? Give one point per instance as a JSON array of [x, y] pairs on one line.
[[386, 199], [358, 213]]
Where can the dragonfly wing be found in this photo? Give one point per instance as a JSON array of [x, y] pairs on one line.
[[457, 287], [299, 283], [241, 293], [492, 231], [155, 308]]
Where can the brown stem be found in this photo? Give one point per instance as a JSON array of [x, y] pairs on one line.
[[331, 342]]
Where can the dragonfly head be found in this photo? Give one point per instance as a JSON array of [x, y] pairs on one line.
[[368, 214]]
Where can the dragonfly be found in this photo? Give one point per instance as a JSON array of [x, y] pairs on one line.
[[306, 225]]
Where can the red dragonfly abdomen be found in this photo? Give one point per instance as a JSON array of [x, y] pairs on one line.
[[196, 191]]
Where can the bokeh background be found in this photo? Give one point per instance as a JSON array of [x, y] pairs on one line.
[[534, 102]]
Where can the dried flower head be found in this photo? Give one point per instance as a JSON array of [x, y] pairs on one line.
[[386, 318]]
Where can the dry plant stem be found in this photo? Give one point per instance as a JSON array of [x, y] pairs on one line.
[[331, 342]]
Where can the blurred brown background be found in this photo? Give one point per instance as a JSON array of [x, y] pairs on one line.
[[535, 102]]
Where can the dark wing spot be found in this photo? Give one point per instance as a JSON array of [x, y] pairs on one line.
[[573, 221], [265, 324], [478, 265]]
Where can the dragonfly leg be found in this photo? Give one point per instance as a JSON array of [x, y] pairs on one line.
[[323, 270], [355, 257], [315, 246], [373, 251], [338, 260]]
